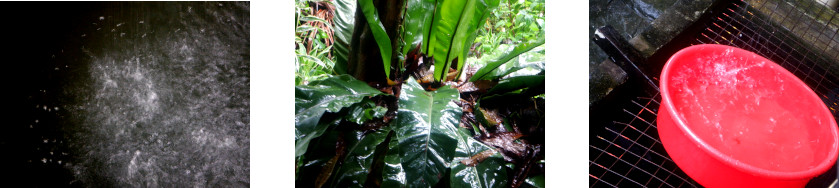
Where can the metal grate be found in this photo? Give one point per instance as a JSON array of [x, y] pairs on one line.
[[626, 150], [738, 26], [629, 154]]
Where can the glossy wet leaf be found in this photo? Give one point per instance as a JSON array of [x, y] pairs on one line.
[[393, 174], [314, 162], [471, 22], [453, 31], [487, 173], [529, 63], [517, 83], [356, 165], [379, 32], [305, 28], [536, 181], [426, 127], [364, 111], [417, 23], [328, 95], [343, 25], [312, 18], [494, 63]]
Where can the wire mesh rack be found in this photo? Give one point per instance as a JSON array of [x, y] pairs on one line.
[[738, 26], [625, 150]]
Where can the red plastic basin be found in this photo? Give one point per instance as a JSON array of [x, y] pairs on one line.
[[731, 118]]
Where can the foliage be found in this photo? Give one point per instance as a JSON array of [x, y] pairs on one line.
[[489, 173], [493, 62], [453, 28], [379, 33], [426, 129], [328, 95], [404, 134], [512, 22], [343, 25], [313, 41]]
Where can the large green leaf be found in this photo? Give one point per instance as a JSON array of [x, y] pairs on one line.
[[417, 23], [426, 127], [488, 173], [454, 26], [364, 111], [453, 30], [359, 160], [379, 33], [516, 83], [526, 64], [393, 175], [328, 95], [446, 20], [494, 63], [468, 30], [343, 25], [315, 163], [536, 181], [529, 63]]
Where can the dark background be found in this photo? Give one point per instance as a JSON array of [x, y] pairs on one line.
[[182, 119]]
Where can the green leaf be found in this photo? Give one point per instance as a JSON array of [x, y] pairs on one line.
[[536, 181], [315, 162], [304, 28], [379, 32], [454, 25], [529, 63], [516, 83], [364, 111], [312, 58], [328, 95], [343, 25], [526, 64], [488, 173], [446, 19], [474, 23], [359, 160], [417, 23], [393, 174], [312, 18], [497, 62], [426, 127]]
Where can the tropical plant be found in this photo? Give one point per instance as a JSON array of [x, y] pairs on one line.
[[313, 41], [402, 111]]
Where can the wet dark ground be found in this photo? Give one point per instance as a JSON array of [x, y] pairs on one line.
[[629, 17], [125, 94]]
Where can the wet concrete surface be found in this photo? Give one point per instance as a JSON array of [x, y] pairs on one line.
[[630, 18], [125, 94]]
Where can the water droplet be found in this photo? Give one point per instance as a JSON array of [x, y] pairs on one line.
[[101, 17]]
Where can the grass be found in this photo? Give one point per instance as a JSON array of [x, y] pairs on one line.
[[313, 41]]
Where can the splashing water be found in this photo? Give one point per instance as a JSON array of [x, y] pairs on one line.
[[736, 105]]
